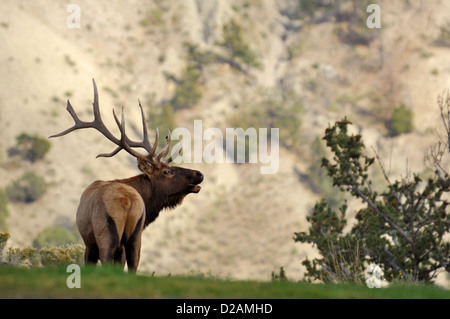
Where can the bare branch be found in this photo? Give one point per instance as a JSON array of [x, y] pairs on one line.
[[386, 177], [376, 209]]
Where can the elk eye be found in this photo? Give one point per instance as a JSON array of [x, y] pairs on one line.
[[167, 172]]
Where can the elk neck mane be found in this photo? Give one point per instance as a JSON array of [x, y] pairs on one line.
[[154, 199]]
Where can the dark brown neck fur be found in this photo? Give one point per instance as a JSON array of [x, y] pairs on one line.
[[154, 199]]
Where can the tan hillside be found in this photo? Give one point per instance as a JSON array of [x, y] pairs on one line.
[[241, 224]]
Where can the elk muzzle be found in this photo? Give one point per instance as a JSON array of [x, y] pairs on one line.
[[197, 179]]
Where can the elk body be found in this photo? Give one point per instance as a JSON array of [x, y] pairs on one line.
[[112, 214]]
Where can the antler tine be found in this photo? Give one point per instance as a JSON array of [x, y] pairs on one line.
[[124, 139], [97, 123], [124, 144], [119, 148], [77, 121], [155, 144], [145, 143], [145, 140], [166, 148], [176, 153], [95, 104]]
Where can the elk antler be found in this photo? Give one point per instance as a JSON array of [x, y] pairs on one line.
[[124, 143]]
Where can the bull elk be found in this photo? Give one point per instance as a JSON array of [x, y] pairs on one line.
[[112, 214]]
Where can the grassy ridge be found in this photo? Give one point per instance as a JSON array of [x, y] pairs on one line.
[[111, 282]]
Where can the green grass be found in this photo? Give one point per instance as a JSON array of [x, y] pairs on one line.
[[111, 282]]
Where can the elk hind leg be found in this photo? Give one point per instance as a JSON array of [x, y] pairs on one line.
[[119, 257], [133, 254], [133, 247], [108, 243], [91, 255]]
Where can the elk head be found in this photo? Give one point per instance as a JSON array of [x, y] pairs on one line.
[[153, 166], [172, 182]]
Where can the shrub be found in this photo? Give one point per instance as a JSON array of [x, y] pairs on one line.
[[197, 57], [187, 92], [401, 228], [233, 42], [3, 239], [161, 117], [351, 27], [320, 11], [27, 256], [54, 236], [4, 212], [62, 255], [54, 256], [401, 121], [317, 175], [444, 36], [307, 8], [32, 148], [269, 113], [153, 18], [28, 188], [166, 120], [284, 113], [281, 276]]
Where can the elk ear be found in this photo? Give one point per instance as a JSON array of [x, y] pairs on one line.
[[145, 167]]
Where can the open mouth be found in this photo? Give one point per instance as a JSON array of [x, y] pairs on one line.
[[195, 188]]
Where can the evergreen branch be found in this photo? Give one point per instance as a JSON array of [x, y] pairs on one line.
[[377, 210]]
